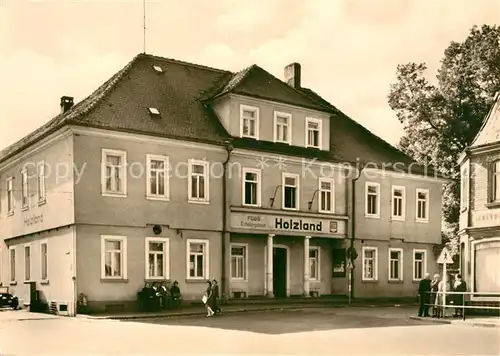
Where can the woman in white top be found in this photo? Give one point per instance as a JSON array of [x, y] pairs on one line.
[[443, 287]]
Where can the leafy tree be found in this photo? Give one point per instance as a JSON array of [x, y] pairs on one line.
[[442, 117]]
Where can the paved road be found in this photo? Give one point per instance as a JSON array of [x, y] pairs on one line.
[[329, 331]]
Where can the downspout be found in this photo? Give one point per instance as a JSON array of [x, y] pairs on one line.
[[225, 241], [353, 225]]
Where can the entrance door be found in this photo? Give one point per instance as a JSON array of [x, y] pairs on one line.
[[279, 272]]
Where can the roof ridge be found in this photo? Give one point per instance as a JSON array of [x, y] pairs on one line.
[[496, 102], [176, 61], [235, 80]]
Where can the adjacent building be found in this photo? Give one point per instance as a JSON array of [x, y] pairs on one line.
[[176, 171], [480, 210]]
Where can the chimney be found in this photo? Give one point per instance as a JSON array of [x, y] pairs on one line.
[[292, 75], [66, 103]]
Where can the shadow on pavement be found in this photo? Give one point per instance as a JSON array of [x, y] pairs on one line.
[[288, 321]]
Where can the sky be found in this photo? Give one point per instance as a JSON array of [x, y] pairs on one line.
[[348, 49]]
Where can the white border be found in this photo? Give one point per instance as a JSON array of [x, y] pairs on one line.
[[376, 185], [289, 126], [320, 134], [123, 240], [427, 203], [206, 199], [297, 195], [424, 272], [123, 154], [257, 121], [318, 263], [403, 203], [40, 172], [471, 288], [30, 246], [375, 264], [166, 258], [258, 172], [401, 263], [13, 248], [332, 191], [166, 177], [206, 259], [245, 257]]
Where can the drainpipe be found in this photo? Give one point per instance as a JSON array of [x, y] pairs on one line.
[[226, 237], [353, 227]]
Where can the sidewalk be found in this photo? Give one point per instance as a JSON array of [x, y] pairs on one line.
[[492, 322], [22, 315]]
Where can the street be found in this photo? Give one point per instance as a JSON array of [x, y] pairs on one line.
[[368, 331]]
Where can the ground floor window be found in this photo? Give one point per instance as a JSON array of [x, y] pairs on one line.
[[12, 263], [113, 257], [157, 258], [419, 264], [370, 262], [27, 262], [239, 261], [314, 263], [198, 259], [44, 273], [486, 266], [395, 264]]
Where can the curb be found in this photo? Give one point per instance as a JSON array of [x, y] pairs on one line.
[[459, 322]]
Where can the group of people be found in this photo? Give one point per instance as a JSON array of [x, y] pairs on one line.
[[211, 298], [433, 293], [160, 295]]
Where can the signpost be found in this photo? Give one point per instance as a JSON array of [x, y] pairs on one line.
[[349, 275], [445, 258]]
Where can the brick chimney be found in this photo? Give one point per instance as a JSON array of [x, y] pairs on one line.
[[292, 75], [66, 103]]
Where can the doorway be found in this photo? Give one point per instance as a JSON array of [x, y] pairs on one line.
[[279, 272]]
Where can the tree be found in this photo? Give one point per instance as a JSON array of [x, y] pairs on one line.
[[442, 118]]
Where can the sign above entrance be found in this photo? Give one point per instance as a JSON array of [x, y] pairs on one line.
[[445, 257], [290, 225]]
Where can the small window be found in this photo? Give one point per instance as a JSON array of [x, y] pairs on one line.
[[198, 187], [44, 261], [282, 127], [398, 203], [24, 189], [313, 133], [114, 174], [198, 263], [10, 196], [290, 191], [372, 200], [239, 261], [114, 257], [314, 264], [158, 69], [41, 182], [419, 264], [370, 263], [157, 257], [495, 182], [27, 262], [326, 195], [12, 263], [158, 177], [154, 111], [395, 264], [422, 207], [249, 123], [251, 187]]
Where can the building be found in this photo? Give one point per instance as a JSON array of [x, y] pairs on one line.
[[176, 171], [480, 210]]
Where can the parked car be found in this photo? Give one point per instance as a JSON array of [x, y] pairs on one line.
[[8, 300]]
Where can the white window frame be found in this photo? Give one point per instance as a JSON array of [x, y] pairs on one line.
[[166, 258], [320, 132], [28, 273], [12, 268], [258, 172], [424, 263], [494, 185], [123, 240], [257, 114], [403, 202], [166, 179], [123, 175], [426, 191], [40, 182], [206, 175], [24, 189], [206, 259], [297, 187], [10, 196], [288, 125], [376, 185], [317, 278], [46, 244], [245, 261], [375, 263], [332, 192], [400, 251]]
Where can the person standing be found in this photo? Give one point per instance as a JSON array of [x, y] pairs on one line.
[[208, 299], [433, 296], [461, 287], [424, 289], [215, 292]]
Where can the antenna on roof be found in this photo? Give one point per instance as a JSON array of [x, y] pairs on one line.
[[144, 24]]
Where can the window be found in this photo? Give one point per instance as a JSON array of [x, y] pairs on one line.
[[290, 191], [282, 127], [370, 262], [398, 203], [422, 205], [419, 264], [314, 264], [44, 261], [465, 188], [12, 263], [372, 203], [10, 196], [114, 174], [495, 180], [313, 133], [157, 177], [239, 261], [249, 122], [24, 189], [158, 258], [41, 182], [27, 262], [326, 195], [395, 264], [198, 264], [198, 181], [113, 257], [251, 187]]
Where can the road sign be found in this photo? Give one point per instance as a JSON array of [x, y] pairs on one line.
[[445, 257], [349, 264]]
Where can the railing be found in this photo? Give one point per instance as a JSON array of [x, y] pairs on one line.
[[441, 307]]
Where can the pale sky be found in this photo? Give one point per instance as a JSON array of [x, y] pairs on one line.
[[348, 50]]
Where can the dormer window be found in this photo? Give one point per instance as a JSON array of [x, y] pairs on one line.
[[282, 127], [313, 132], [154, 111], [249, 122], [158, 69]]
